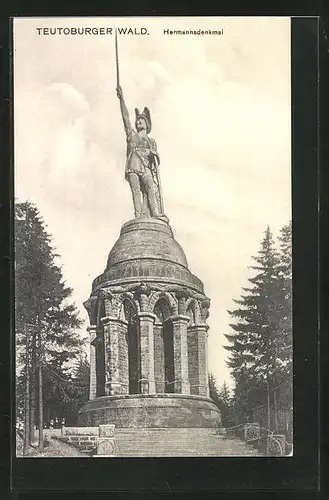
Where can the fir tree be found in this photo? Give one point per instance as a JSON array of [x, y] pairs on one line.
[[261, 343], [213, 391], [66, 391], [225, 405], [222, 399], [253, 355], [284, 340], [46, 323], [81, 378]]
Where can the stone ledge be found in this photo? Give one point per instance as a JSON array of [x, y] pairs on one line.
[[104, 281], [152, 396], [146, 222], [112, 319]]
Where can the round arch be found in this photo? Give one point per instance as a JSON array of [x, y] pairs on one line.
[[156, 296], [118, 301]]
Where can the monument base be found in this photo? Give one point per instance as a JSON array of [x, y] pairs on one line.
[[151, 411]]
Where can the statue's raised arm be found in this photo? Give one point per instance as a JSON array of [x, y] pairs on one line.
[[142, 164], [124, 111]]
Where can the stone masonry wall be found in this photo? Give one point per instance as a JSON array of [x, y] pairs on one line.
[[84, 443]]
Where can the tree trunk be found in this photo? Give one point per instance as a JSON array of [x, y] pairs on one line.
[[275, 411], [47, 416], [33, 388], [40, 395], [268, 418], [27, 400], [268, 408], [40, 409]]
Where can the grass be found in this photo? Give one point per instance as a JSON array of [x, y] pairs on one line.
[[52, 448]]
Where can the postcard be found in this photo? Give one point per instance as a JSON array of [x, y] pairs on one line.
[[153, 236]]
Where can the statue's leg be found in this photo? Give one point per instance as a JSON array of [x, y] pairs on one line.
[[136, 193], [150, 188], [145, 205]]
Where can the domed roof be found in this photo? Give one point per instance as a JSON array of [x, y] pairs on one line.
[[147, 251], [146, 238]]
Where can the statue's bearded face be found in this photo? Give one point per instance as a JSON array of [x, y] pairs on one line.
[[141, 124]]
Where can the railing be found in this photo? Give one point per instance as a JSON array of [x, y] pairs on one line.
[[265, 440]]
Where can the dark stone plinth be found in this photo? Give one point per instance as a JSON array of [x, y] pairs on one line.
[[152, 411]]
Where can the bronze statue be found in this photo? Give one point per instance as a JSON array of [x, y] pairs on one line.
[[142, 160]]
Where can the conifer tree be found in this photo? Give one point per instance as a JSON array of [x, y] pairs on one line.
[[66, 391], [253, 341], [284, 339], [225, 405], [213, 390], [261, 343], [46, 322], [222, 398]]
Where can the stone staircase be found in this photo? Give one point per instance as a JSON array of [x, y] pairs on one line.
[[177, 442]]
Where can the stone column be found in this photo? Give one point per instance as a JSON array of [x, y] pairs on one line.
[[203, 357], [181, 381], [159, 361], [112, 328], [93, 382], [199, 359], [146, 335]]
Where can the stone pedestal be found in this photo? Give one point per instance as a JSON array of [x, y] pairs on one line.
[[151, 411], [150, 314]]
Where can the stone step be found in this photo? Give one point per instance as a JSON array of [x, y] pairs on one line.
[[161, 434], [178, 442], [178, 430], [193, 451], [172, 442], [185, 454]]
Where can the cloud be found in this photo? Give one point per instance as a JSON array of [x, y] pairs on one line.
[[65, 95]]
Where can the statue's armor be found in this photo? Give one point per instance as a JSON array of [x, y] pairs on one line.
[[139, 153]]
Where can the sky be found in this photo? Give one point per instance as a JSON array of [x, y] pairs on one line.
[[220, 108]]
